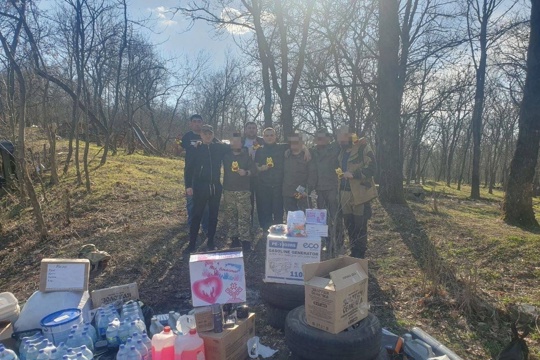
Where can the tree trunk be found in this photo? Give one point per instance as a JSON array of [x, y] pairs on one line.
[[390, 164], [518, 207], [478, 110]]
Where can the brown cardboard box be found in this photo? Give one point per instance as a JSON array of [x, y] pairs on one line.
[[115, 295], [64, 275], [231, 344], [336, 293], [204, 319]]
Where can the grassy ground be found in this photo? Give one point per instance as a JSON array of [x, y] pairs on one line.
[[459, 273]]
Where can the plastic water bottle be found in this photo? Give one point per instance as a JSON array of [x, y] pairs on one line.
[[28, 339], [133, 354], [163, 345], [54, 355], [140, 325], [142, 349], [42, 355], [122, 353], [30, 343], [123, 332], [72, 342], [112, 336], [23, 348], [50, 346], [87, 340], [80, 356], [32, 353], [42, 344], [189, 347], [91, 331], [155, 326], [102, 325], [70, 354], [87, 353], [61, 349], [7, 354], [148, 343]]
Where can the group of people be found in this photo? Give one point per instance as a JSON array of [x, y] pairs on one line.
[[273, 178]]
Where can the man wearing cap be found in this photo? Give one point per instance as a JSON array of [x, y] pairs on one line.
[[325, 156], [299, 176], [203, 182], [189, 142], [238, 170], [356, 188]]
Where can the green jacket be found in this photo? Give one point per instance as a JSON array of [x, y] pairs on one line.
[[298, 172], [326, 163], [361, 164]]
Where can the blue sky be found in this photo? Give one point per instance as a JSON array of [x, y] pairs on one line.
[[170, 32]]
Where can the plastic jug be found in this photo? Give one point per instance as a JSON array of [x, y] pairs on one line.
[[155, 326], [42, 355], [133, 354], [142, 349], [6, 354], [163, 345], [148, 343], [122, 353], [189, 347]]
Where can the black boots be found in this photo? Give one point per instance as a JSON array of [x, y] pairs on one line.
[[357, 230]]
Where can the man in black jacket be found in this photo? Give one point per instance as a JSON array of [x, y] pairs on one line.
[[203, 182]]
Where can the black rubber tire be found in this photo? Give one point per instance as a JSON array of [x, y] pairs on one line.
[[275, 317], [283, 296], [362, 343]]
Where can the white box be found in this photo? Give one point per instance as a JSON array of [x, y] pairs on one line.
[[217, 278], [286, 255], [316, 216], [116, 295], [317, 230]]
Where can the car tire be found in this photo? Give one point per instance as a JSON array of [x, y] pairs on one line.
[[275, 317], [307, 342], [283, 296]]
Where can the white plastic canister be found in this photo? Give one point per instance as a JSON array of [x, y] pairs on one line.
[[9, 307], [56, 326]]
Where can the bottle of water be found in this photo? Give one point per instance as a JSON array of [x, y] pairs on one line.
[[32, 353], [42, 355], [50, 346], [123, 332], [72, 342], [61, 349], [142, 349], [43, 344], [141, 326], [122, 353], [80, 356], [133, 354], [87, 353], [54, 355], [155, 326], [102, 325], [91, 331], [30, 339], [87, 340], [65, 357], [23, 348], [148, 343], [112, 336], [7, 354], [70, 354]]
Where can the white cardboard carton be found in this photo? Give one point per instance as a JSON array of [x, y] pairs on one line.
[[217, 278], [336, 293], [286, 255], [116, 295], [64, 275], [317, 230], [316, 216]]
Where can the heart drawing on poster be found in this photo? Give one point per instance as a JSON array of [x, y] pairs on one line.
[[208, 289]]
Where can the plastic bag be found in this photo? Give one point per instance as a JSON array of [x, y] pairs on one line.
[[296, 223]]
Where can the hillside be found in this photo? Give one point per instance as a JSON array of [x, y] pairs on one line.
[[459, 272]]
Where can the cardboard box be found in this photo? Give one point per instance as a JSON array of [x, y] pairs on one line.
[[336, 293], [317, 230], [286, 255], [316, 216], [217, 278], [231, 344], [204, 319], [116, 295], [64, 275]]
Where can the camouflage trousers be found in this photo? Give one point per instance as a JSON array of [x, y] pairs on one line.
[[238, 214]]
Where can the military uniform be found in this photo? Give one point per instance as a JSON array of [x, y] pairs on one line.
[[326, 161], [236, 195], [297, 172], [356, 194]]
